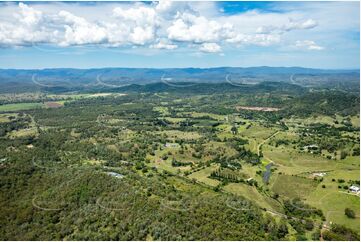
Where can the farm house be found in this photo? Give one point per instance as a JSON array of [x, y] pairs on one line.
[[354, 188]]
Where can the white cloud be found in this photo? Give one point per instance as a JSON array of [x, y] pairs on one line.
[[256, 39], [288, 26], [164, 44], [142, 35], [308, 44], [138, 15], [307, 24], [78, 31], [163, 5], [163, 25], [28, 15], [198, 29], [26, 27], [210, 48]]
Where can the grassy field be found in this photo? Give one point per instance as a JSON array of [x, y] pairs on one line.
[[158, 162], [293, 186], [61, 100], [30, 132], [333, 121], [333, 201], [251, 193], [211, 115], [293, 162], [175, 134], [20, 106], [258, 132], [202, 176], [174, 120], [6, 117], [163, 111], [355, 120]]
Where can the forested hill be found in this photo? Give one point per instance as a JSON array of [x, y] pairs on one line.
[[209, 88], [14, 80]]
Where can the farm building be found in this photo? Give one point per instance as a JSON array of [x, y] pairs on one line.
[[319, 174], [354, 188]]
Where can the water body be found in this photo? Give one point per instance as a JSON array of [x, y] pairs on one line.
[[267, 174]]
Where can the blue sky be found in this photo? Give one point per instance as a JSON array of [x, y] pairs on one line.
[[179, 34]]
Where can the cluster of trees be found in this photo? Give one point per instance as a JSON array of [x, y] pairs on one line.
[[323, 102], [88, 204], [227, 162], [247, 155], [226, 176], [299, 209], [176, 163], [327, 137], [15, 123], [340, 233]]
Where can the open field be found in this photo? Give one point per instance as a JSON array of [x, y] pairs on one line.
[[202, 176], [293, 186], [258, 132], [53, 100], [252, 194], [19, 107]]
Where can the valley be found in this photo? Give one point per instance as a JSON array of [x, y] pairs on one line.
[[144, 159]]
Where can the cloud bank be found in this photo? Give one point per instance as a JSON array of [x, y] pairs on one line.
[[161, 25]]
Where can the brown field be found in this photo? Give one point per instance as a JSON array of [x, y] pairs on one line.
[[53, 104]]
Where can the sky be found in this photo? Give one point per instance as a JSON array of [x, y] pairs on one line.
[[37, 35]]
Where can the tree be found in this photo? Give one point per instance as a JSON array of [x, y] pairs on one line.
[[309, 225], [340, 232], [282, 230], [316, 236], [343, 155], [350, 213], [234, 130]]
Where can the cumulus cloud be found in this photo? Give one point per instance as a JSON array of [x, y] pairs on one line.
[[27, 26], [210, 48], [159, 25], [164, 5], [28, 15], [142, 22], [138, 15], [198, 29], [78, 31], [308, 44]]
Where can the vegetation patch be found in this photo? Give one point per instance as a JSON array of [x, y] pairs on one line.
[[293, 186]]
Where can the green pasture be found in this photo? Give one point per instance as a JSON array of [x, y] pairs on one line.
[[251, 193], [293, 186], [20, 107], [203, 174]]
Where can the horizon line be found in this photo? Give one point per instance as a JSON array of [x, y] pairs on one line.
[[159, 68]]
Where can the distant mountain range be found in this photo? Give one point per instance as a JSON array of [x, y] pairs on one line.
[[116, 77]]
